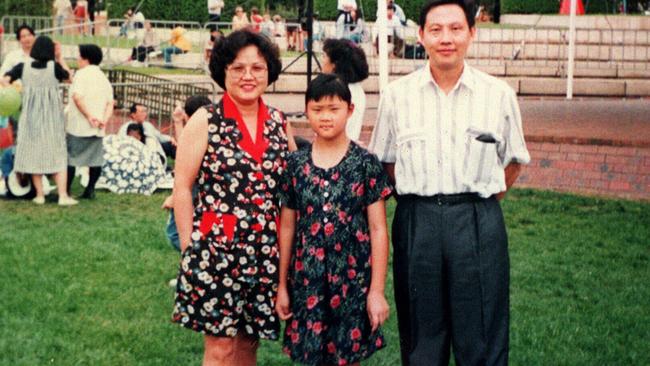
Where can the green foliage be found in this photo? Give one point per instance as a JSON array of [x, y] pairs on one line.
[[22, 7], [552, 7]]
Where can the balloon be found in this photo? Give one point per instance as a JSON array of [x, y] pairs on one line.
[[9, 101]]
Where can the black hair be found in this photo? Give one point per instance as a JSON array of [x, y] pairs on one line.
[[349, 59], [466, 5], [134, 107], [20, 29], [226, 49], [328, 85], [91, 52], [136, 127], [193, 103], [43, 49]]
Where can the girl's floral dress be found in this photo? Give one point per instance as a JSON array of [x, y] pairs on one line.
[[228, 277], [330, 272]]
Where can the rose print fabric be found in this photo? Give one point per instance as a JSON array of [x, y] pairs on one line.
[[227, 280], [330, 272]]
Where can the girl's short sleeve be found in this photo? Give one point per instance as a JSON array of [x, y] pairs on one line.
[[377, 185], [287, 190]]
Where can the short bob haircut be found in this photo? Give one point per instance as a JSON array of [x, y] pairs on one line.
[[20, 29], [328, 85], [466, 5], [226, 49], [91, 52], [349, 60], [43, 49]]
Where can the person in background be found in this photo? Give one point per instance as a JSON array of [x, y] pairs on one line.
[[267, 26], [62, 11], [80, 15], [235, 151], [453, 153], [40, 144], [180, 116], [399, 12], [137, 132], [317, 31], [256, 19], [138, 24], [395, 32], [240, 19], [164, 145], [357, 28], [89, 109], [178, 45], [344, 8], [214, 10], [149, 43], [215, 35], [280, 28], [128, 23], [25, 36], [348, 61]]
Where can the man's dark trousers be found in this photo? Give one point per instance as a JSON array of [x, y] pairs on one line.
[[451, 274]]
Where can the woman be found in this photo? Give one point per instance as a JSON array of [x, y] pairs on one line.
[[348, 61], [89, 109], [240, 19], [41, 146], [357, 28], [234, 151]]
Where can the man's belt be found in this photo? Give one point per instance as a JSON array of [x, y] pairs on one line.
[[443, 199]]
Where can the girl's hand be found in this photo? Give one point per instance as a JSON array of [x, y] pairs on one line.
[[57, 52], [377, 308], [282, 304]]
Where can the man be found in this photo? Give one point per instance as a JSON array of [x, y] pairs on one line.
[[26, 37], [451, 138], [395, 32], [399, 12], [214, 10], [164, 144], [62, 10]]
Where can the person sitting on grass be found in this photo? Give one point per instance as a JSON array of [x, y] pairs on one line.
[[149, 43], [163, 144]]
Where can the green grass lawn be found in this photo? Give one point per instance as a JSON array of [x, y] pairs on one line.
[[87, 285]]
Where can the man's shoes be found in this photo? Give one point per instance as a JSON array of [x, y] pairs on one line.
[[39, 200], [67, 201]]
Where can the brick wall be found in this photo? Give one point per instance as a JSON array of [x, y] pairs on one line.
[[582, 167]]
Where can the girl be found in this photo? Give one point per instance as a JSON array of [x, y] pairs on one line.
[[333, 227]]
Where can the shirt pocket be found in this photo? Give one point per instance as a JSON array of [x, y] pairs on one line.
[[218, 229], [481, 157]]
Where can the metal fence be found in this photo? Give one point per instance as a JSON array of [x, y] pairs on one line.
[[120, 37]]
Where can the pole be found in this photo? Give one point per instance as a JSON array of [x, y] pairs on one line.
[[572, 49], [382, 40], [310, 37]]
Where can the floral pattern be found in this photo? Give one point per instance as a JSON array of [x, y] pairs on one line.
[[130, 166], [228, 277], [330, 271]]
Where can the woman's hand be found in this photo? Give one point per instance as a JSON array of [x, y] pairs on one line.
[[282, 304], [57, 52], [377, 308]]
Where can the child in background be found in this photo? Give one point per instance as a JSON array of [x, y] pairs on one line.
[[333, 239], [136, 131]]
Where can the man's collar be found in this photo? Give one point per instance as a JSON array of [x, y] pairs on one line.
[[466, 78]]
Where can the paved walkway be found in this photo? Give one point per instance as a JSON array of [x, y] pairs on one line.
[[620, 122]]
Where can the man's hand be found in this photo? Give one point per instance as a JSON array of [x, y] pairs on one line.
[[169, 203]]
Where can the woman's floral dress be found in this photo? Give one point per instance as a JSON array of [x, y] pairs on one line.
[[227, 280], [330, 272]]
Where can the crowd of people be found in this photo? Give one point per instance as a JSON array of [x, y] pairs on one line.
[[271, 231], [81, 12]]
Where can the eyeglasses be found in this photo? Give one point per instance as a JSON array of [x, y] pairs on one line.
[[238, 71]]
